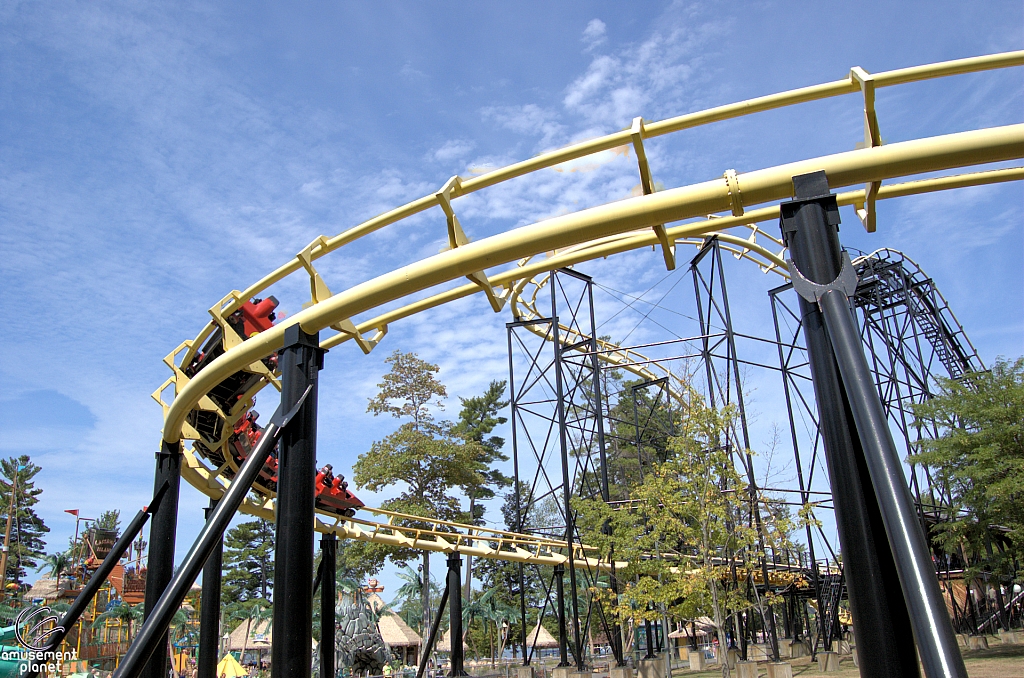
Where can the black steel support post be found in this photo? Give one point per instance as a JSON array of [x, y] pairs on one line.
[[455, 613], [649, 637], [749, 465], [936, 642], [563, 651], [162, 531], [328, 574], [567, 490], [209, 613], [153, 634], [301, 360], [881, 619], [520, 527]]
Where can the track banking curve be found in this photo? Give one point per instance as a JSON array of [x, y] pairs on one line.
[[504, 266]]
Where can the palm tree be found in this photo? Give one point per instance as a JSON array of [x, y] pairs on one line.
[[179, 624], [124, 613], [257, 612], [59, 563], [410, 593]]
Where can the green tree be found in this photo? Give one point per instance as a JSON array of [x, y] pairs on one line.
[[977, 459], [27, 529], [478, 418], [59, 564], [122, 612], [249, 564], [685, 510], [252, 614], [424, 455], [110, 520]]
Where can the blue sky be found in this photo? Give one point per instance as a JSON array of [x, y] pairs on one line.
[[154, 156]]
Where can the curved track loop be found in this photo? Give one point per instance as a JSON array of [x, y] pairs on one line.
[[537, 249]]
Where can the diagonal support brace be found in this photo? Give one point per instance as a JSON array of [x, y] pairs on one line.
[[497, 296], [872, 138], [668, 247]]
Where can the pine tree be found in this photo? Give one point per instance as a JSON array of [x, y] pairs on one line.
[[110, 520], [478, 418], [424, 455], [26, 542], [249, 563]]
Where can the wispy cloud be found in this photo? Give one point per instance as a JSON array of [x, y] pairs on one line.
[[594, 34], [453, 149]]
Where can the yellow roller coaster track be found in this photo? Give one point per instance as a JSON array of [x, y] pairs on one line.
[[719, 207]]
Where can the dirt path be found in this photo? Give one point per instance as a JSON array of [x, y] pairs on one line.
[[999, 661]]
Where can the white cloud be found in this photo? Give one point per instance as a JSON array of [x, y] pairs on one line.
[[594, 34], [452, 150], [529, 120], [618, 87]]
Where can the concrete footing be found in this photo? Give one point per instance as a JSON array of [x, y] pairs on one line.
[[828, 662], [562, 671], [651, 668], [731, 655], [795, 648], [961, 639], [977, 642], [620, 672], [524, 672], [1008, 637], [779, 670], [841, 646], [746, 669], [697, 660], [758, 653]]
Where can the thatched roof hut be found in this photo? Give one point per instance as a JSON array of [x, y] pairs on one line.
[[445, 644], [261, 636], [45, 588], [541, 638]]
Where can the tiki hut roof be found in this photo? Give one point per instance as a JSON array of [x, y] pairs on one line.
[[393, 629], [704, 626], [45, 587], [445, 644], [541, 638], [396, 633], [260, 636]]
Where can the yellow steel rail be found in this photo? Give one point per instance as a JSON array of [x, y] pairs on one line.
[[590, 233]]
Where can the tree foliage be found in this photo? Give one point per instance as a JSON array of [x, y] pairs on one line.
[[110, 520], [477, 420], [977, 459], [687, 510], [426, 457], [249, 564], [27, 528]]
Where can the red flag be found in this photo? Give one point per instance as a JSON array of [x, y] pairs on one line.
[[73, 512]]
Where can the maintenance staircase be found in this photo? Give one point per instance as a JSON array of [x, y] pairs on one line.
[[889, 279], [833, 589]]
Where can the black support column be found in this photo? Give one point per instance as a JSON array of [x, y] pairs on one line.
[[301, 360], [882, 622], [563, 651], [455, 613], [162, 531], [209, 614], [328, 598]]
